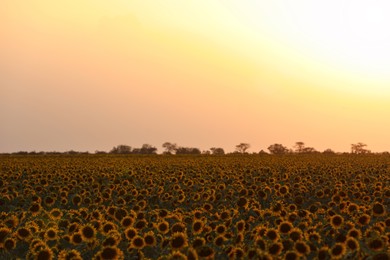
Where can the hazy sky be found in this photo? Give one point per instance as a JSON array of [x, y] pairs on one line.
[[92, 74]]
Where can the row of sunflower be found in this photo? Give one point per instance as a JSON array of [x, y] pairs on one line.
[[194, 207]]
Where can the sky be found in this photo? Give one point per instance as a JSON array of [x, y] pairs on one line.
[[88, 75]]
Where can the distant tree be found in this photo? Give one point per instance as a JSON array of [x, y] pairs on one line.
[[359, 148], [148, 149], [328, 151], [121, 149], [21, 153], [217, 151], [308, 150], [206, 152], [170, 148], [242, 147], [277, 149], [262, 152], [71, 152], [100, 152], [187, 150], [299, 146]]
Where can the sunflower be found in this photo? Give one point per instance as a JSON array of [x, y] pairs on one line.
[[323, 253], [9, 244], [137, 242], [337, 251], [4, 232], [291, 255], [295, 234], [336, 221], [313, 237], [364, 220], [178, 227], [12, 222], [24, 233], [178, 241], [198, 241], [205, 252], [242, 202], [285, 227], [378, 209], [219, 240], [46, 253], [130, 233], [108, 226], [376, 244], [197, 226], [88, 232], [150, 239], [55, 214], [140, 224], [240, 225], [111, 253], [49, 201], [163, 227], [352, 244], [275, 248], [301, 248], [220, 229], [34, 209], [73, 228], [51, 234], [76, 238]]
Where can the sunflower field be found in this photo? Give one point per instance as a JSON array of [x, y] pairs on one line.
[[195, 207]]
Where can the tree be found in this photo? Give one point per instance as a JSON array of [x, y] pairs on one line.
[[277, 149], [359, 148], [188, 150], [217, 151], [169, 147], [328, 151], [242, 147], [299, 147], [121, 149], [308, 150], [148, 149]]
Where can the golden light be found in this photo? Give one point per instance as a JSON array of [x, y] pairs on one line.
[[347, 40]]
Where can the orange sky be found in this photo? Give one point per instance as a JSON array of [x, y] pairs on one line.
[[92, 74]]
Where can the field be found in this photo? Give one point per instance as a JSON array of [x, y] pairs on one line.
[[195, 207]]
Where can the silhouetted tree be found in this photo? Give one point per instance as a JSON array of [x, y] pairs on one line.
[[169, 147], [187, 150], [148, 149], [359, 148], [71, 152], [100, 152], [217, 150], [308, 150], [277, 149], [328, 151], [242, 147], [121, 149], [299, 146]]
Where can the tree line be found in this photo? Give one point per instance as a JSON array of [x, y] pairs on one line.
[[242, 148]]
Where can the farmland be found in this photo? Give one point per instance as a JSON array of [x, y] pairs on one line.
[[190, 207]]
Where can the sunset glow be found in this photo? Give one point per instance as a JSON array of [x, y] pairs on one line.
[[91, 74]]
